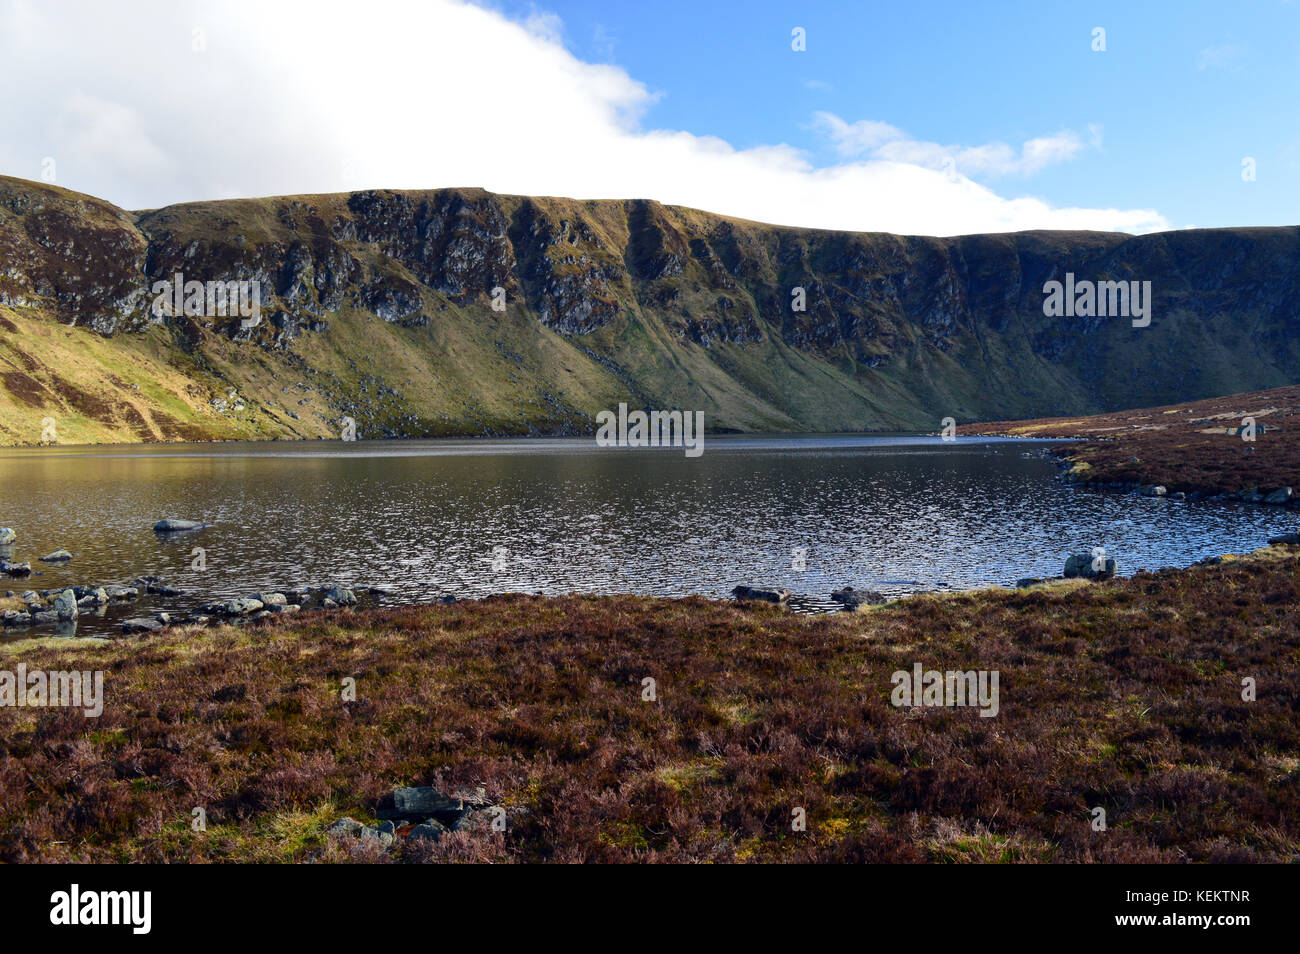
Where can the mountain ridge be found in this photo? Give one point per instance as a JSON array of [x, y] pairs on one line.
[[377, 305]]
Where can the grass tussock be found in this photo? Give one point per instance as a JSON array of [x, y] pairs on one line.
[[1125, 695]]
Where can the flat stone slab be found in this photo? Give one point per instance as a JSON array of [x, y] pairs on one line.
[[171, 525]]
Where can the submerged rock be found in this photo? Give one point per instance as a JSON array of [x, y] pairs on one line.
[[171, 525]]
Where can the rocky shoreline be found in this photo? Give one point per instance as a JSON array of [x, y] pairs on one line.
[[60, 607]]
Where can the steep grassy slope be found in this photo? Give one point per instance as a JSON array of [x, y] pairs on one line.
[[378, 306]]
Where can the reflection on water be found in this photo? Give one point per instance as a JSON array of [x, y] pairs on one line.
[[427, 518]]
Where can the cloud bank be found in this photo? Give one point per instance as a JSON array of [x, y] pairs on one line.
[[160, 102]]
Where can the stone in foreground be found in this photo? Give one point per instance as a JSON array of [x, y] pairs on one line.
[[424, 801]]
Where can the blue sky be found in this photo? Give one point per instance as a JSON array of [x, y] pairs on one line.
[[1184, 91], [921, 117]]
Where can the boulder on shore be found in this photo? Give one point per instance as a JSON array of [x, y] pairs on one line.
[[242, 607], [340, 596], [1279, 497], [764, 595], [141, 625], [1089, 567], [857, 599], [65, 604], [170, 525]]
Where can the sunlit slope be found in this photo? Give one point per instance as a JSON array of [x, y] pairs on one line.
[[380, 306]]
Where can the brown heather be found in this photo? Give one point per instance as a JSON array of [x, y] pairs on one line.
[[1180, 446], [1124, 695]]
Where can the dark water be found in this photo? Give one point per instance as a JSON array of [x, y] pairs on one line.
[[426, 518]]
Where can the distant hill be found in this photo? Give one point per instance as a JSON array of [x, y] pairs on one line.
[[378, 306]]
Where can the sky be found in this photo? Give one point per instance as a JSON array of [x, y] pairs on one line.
[[924, 117]]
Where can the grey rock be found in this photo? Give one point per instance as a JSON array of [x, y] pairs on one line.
[[241, 607], [1279, 497], [857, 599], [1153, 491], [1080, 565], [430, 830], [140, 625], [1288, 539], [270, 600], [58, 556], [344, 826], [764, 595], [379, 835], [340, 596], [423, 801], [65, 604], [7, 536], [171, 525], [15, 569]]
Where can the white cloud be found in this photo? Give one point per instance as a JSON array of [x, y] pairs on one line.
[[879, 140], [327, 96], [1219, 57]]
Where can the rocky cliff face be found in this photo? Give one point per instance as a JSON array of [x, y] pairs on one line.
[[460, 311]]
